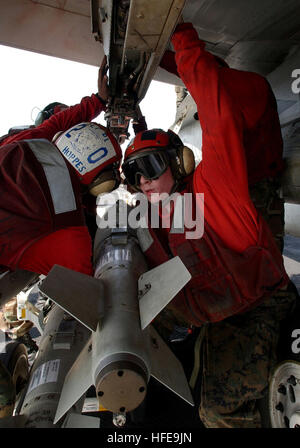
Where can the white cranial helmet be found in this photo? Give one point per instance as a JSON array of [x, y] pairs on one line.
[[90, 148]]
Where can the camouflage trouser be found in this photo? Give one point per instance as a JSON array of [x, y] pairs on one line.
[[265, 197], [7, 392], [234, 360]]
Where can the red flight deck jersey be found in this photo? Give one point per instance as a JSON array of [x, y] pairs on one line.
[[41, 217], [253, 97], [236, 263]]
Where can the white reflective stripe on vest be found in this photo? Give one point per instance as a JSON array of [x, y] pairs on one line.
[[57, 175]]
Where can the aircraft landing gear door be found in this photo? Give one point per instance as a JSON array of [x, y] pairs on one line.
[[135, 34]]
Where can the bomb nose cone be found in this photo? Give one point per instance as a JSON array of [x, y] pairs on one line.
[[121, 386]]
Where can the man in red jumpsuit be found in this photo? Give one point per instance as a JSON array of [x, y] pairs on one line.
[[41, 215], [239, 291], [47, 112], [63, 118], [42, 221], [262, 138]]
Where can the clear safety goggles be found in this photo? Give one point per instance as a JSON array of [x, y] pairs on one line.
[[151, 166]]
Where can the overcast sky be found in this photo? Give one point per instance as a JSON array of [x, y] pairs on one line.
[[30, 81]]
